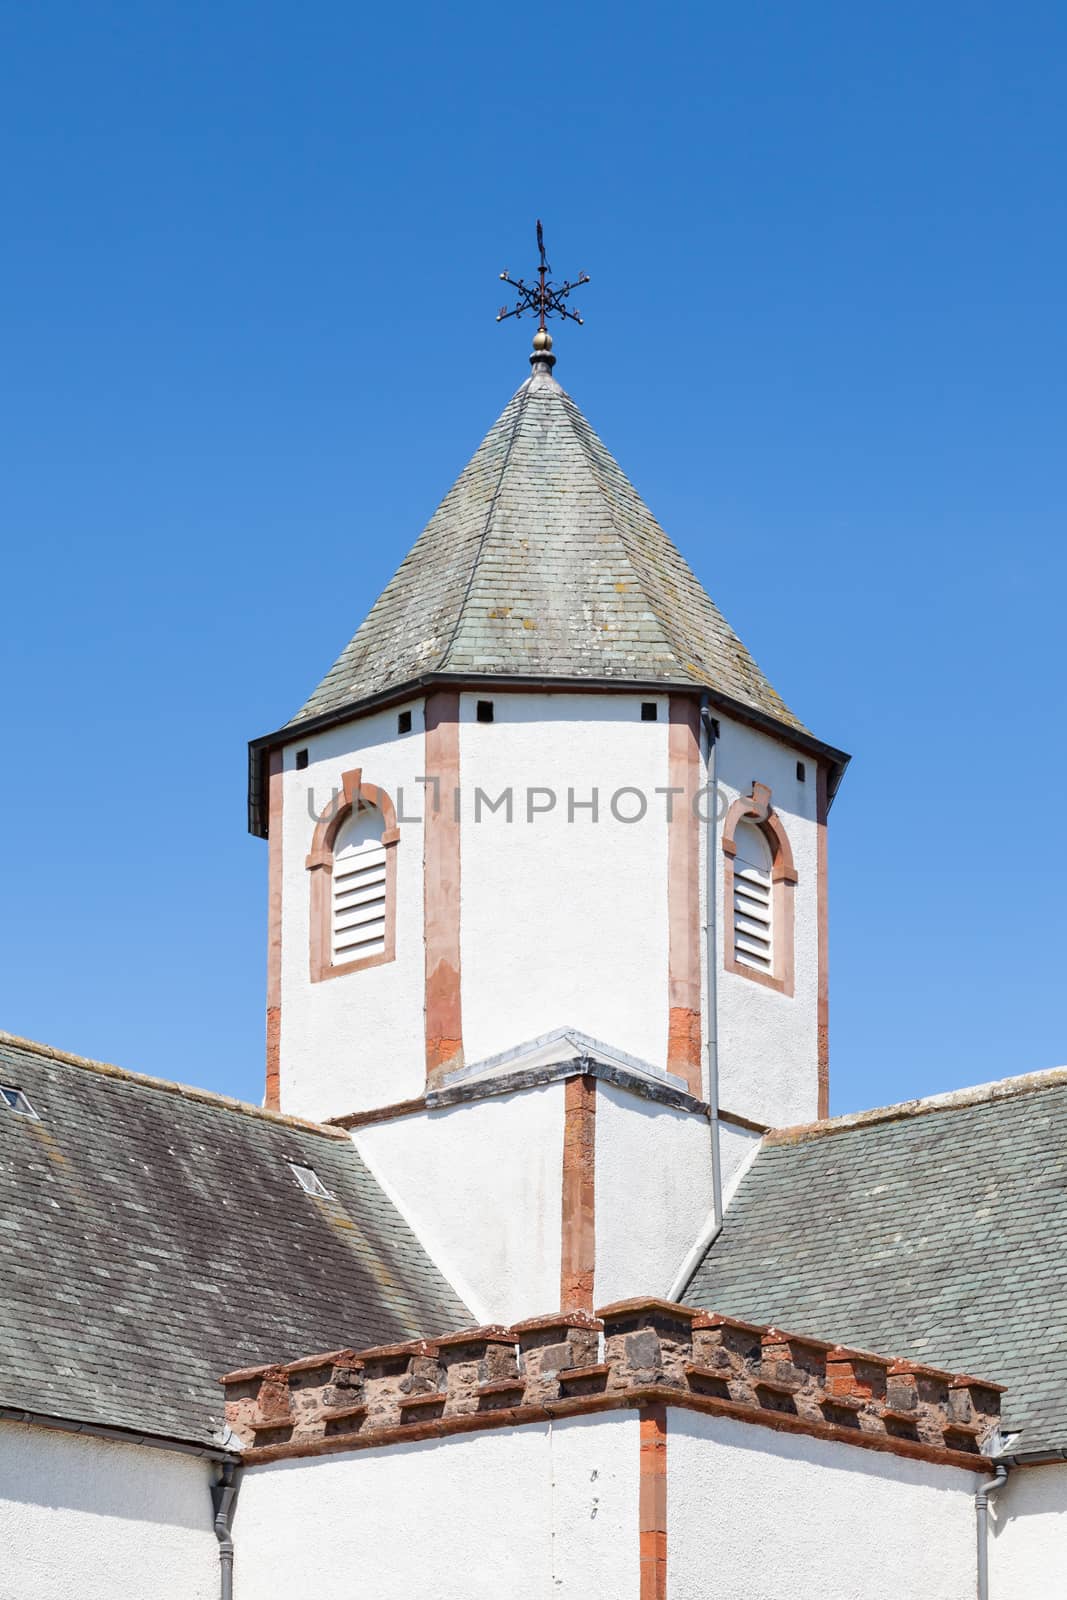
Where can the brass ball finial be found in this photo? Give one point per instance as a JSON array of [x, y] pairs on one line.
[[542, 340]]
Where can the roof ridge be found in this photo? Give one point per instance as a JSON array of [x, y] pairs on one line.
[[952, 1100], [144, 1080], [520, 411]]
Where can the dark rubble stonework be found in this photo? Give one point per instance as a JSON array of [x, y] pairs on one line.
[[543, 560], [152, 1239], [937, 1237]]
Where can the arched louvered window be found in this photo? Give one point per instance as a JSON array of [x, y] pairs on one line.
[[353, 881], [758, 888]]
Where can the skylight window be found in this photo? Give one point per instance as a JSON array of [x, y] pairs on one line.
[[15, 1100], [309, 1181]]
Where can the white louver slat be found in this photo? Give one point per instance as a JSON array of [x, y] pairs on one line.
[[752, 930], [358, 910]]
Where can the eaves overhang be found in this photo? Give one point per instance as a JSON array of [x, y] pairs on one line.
[[259, 749], [105, 1431]]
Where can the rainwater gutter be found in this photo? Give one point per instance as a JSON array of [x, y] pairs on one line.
[[99, 1430]]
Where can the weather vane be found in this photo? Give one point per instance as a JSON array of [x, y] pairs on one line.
[[543, 298]]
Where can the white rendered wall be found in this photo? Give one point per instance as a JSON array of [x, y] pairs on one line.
[[545, 1510], [87, 1518], [357, 1040], [768, 1042], [653, 1192], [564, 923], [757, 1515], [1028, 1535], [481, 1185]]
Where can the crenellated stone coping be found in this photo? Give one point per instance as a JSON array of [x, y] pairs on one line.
[[627, 1349]]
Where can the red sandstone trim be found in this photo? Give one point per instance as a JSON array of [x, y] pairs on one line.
[[580, 1405], [715, 1319], [441, 889], [844, 1352], [736, 1120], [274, 929], [596, 1369], [309, 1363], [683, 894], [393, 1352], [491, 1332], [953, 1379], [774, 1336], [320, 865], [652, 1503], [651, 1305], [366, 1119], [757, 808], [559, 1319], [823, 925], [578, 1209]]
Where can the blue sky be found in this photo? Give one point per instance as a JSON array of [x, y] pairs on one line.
[[248, 339]]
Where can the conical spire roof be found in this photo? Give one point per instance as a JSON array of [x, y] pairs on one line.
[[542, 561]]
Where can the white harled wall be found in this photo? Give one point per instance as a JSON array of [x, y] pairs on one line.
[[358, 1040], [756, 1515], [87, 1519], [480, 1185], [543, 1510], [768, 1042], [555, 1509], [1028, 1535], [653, 1192], [564, 921]]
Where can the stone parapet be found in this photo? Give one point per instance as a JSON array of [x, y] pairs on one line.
[[628, 1353]]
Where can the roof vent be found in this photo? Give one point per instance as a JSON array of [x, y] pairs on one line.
[[15, 1100], [309, 1181]]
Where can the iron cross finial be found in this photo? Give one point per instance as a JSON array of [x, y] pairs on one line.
[[543, 298]]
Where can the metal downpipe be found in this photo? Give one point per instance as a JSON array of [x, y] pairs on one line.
[[711, 1229], [983, 1495], [223, 1498], [711, 733]]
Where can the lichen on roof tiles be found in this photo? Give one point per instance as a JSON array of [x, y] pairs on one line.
[[543, 561], [935, 1236], [154, 1238]]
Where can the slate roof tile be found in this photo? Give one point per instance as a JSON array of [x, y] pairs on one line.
[[151, 1240], [937, 1236], [542, 560]]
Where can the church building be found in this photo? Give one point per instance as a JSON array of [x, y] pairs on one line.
[[542, 1270]]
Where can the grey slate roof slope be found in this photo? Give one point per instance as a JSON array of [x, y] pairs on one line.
[[152, 1239], [939, 1236], [543, 560]]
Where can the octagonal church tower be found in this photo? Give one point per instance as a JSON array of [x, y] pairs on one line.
[[545, 822]]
